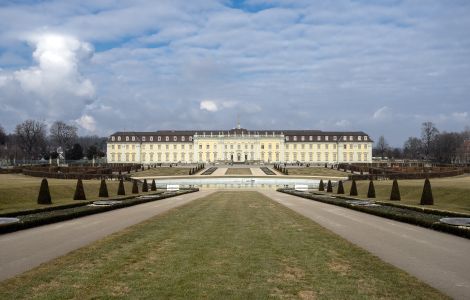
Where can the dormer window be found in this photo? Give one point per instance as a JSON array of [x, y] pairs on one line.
[[182, 138], [359, 138], [175, 138], [295, 138], [318, 138], [365, 138], [127, 139], [302, 138], [112, 138], [310, 138], [335, 138], [287, 138], [326, 138], [167, 138], [119, 138], [159, 138], [143, 139], [151, 138], [133, 138], [351, 138], [190, 138]]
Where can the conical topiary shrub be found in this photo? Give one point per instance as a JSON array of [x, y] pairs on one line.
[[371, 191], [340, 187], [79, 191], [103, 189], [135, 187], [426, 197], [395, 193], [44, 196], [154, 186], [121, 189], [329, 187], [145, 187], [321, 186], [353, 191]]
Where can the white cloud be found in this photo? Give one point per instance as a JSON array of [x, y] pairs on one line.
[[343, 123], [208, 105], [53, 88], [382, 113], [461, 116], [87, 122]]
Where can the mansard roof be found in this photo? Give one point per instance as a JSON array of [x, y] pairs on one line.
[[289, 135]]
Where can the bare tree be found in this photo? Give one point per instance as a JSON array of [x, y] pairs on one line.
[[31, 137], [428, 136], [382, 146], [3, 136], [413, 148], [63, 135]]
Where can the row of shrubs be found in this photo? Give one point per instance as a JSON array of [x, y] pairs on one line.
[[62, 214], [194, 171], [281, 169], [426, 196], [424, 218], [44, 196]]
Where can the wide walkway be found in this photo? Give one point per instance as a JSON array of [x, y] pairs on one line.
[[23, 250], [439, 259]]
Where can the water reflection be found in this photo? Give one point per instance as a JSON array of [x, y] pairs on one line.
[[238, 183]]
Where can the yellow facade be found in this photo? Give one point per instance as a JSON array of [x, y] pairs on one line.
[[239, 145]]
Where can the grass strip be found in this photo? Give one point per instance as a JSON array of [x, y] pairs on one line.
[[229, 245]]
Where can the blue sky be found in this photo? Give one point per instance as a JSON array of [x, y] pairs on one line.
[[383, 67]]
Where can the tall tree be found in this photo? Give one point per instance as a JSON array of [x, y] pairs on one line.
[[3, 136], [428, 136], [75, 153], [31, 137], [63, 135], [413, 148], [382, 146]]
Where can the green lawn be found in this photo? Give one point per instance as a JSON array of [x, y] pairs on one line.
[[317, 171], [451, 193], [238, 171], [163, 171], [19, 192], [229, 245]]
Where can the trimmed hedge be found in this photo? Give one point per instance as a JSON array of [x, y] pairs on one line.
[[62, 214], [395, 193], [424, 218], [44, 196]]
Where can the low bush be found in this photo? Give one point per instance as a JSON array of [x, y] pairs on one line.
[[103, 189], [353, 191], [426, 196], [154, 186], [121, 190], [79, 191], [371, 190], [321, 186], [329, 187], [395, 193], [340, 187], [44, 196], [145, 187], [135, 187]]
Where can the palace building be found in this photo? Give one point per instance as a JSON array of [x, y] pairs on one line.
[[239, 145]]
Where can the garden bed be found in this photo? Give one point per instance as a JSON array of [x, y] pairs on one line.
[[425, 217], [267, 171], [209, 171], [57, 214]]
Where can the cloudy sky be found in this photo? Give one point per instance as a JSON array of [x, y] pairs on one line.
[[383, 67]]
